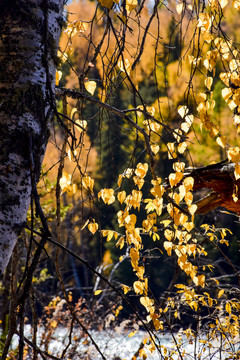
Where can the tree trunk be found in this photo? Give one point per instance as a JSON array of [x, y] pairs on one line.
[[29, 35]]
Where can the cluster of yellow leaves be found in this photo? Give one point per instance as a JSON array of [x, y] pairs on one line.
[[66, 184], [204, 23], [75, 28]]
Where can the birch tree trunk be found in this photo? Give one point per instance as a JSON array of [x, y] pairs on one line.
[[29, 35]]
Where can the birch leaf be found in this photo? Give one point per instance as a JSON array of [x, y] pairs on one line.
[[90, 86]]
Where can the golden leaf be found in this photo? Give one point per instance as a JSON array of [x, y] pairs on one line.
[[107, 196], [81, 125], [138, 287], [192, 209], [233, 154], [188, 183], [174, 178], [228, 307], [221, 141], [121, 196], [199, 280], [168, 246], [208, 82], [155, 149], [182, 147], [141, 170], [132, 333], [138, 181], [125, 288], [88, 183], [58, 77], [200, 97], [90, 86], [179, 8], [171, 151], [146, 302], [93, 227], [97, 292], [227, 93], [220, 293], [131, 5], [178, 166], [65, 184], [236, 5], [182, 110]]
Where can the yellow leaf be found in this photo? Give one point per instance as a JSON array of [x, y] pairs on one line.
[[179, 8], [208, 82], [200, 97], [188, 183], [90, 86], [72, 154], [182, 147], [138, 181], [125, 288], [188, 198], [88, 183], [81, 125], [155, 149], [141, 170], [174, 178], [199, 280], [227, 93], [168, 246], [237, 171], [169, 234], [146, 302], [121, 196], [220, 293], [65, 184], [58, 77], [223, 3], [236, 5], [120, 243], [107, 196], [221, 141], [182, 110], [228, 307], [85, 224], [178, 166], [97, 292], [132, 333], [233, 154], [192, 209], [131, 5], [171, 151], [138, 287], [165, 223], [93, 227]]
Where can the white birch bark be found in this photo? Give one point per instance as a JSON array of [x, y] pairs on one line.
[[29, 35]]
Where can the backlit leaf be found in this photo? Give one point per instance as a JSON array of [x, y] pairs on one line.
[[90, 86]]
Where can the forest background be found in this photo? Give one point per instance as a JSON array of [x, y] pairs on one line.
[[108, 158]]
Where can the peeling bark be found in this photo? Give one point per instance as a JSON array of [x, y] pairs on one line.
[[29, 35]]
